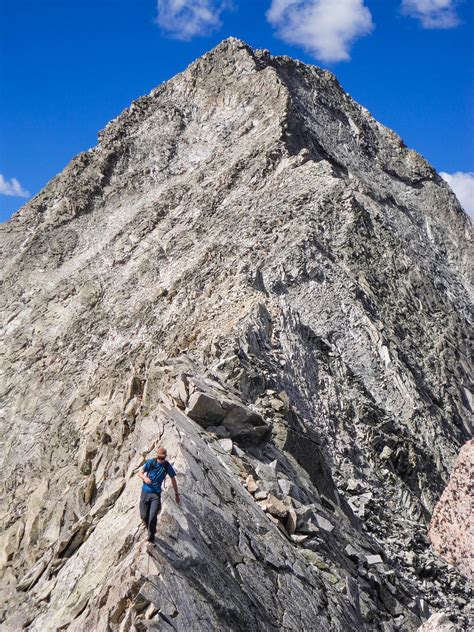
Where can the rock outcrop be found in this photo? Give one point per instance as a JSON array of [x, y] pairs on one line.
[[452, 525], [252, 271], [438, 622]]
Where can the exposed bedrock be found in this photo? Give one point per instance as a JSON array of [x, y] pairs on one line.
[[252, 271], [451, 530]]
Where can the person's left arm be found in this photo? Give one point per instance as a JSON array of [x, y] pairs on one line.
[[174, 482], [175, 487]]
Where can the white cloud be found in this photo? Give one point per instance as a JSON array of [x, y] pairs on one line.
[[433, 14], [185, 19], [463, 186], [325, 28], [12, 187]]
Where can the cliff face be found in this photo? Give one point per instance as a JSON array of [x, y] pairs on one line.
[[251, 270], [452, 524]]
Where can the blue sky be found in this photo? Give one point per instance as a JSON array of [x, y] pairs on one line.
[[67, 68]]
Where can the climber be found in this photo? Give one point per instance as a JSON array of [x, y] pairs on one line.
[[153, 474]]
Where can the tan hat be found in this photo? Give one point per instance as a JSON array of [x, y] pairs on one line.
[[161, 452]]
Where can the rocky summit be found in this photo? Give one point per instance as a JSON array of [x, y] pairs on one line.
[[253, 272]]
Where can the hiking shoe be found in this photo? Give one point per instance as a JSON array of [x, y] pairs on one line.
[[151, 538]]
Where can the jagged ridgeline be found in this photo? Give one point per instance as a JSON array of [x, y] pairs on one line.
[[252, 271]]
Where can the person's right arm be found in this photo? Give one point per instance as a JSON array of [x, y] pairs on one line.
[[143, 475]]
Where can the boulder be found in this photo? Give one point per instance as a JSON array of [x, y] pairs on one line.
[[182, 384], [373, 560], [268, 471], [220, 431], [275, 507], [439, 622], [386, 453], [86, 454], [323, 523], [277, 404], [244, 425], [251, 484], [291, 519], [285, 486], [353, 553], [226, 445], [212, 409], [205, 409]]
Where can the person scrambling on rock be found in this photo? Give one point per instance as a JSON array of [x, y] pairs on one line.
[[153, 474]]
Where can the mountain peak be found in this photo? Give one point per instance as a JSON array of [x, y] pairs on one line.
[[251, 270]]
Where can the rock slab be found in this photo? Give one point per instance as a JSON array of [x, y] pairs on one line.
[[452, 525]]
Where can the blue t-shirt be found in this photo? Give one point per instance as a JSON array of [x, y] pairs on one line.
[[156, 472]]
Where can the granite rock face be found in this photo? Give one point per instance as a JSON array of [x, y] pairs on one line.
[[452, 524], [438, 623], [251, 270]]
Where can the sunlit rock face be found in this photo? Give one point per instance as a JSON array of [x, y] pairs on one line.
[[452, 524], [252, 271]]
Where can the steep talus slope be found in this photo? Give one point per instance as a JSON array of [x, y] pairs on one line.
[[250, 232]]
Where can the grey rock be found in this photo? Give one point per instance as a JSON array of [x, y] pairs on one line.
[[35, 573], [450, 530], [211, 405], [373, 559], [323, 523], [357, 507], [386, 453], [285, 486], [352, 552], [226, 445], [277, 404], [291, 521], [267, 471], [182, 384], [245, 426], [107, 498], [205, 409], [251, 484], [233, 228], [238, 452], [220, 431], [353, 486], [307, 527], [439, 622], [298, 538], [90, 489], [268, 486], [275, 507]]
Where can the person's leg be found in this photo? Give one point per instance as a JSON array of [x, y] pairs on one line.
[[155, 506], [145, 508]]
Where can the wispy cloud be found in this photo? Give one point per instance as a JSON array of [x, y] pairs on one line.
[[325, 28], [433, 14], [185, 19], [463, 186], [12, 187]]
